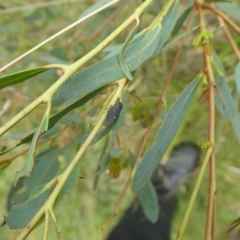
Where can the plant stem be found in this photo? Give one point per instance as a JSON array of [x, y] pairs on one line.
[[210, 228]]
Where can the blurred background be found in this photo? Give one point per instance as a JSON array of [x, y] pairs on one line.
[[82, 211]]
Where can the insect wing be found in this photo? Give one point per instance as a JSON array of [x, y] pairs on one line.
[[113, 113]]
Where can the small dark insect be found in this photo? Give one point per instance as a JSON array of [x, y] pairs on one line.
[[113, 113]]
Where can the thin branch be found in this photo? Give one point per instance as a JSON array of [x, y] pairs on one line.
[[229, 37], [223, 16], [210, 227]]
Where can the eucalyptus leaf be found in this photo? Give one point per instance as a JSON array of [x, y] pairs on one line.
[[164, 136], [21, 215], [149, 201], [31, 153], [171, 41], [167, 25], [181, 20], [45, 169], [18, 77], [31, 193], [108, 70]]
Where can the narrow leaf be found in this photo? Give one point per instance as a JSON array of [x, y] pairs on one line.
[[149, 201], [164, 136], [18, 77], [167, 26], [181, 20], [175, 39], [31, 154]]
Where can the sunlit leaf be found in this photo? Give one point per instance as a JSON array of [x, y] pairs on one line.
[[164, 136]]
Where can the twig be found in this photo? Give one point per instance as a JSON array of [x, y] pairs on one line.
[[229, 37], [210, 227], [223, 16]]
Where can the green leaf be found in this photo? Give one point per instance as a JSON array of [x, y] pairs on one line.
[[105, 72], [31, 193], [224, 102], [164, 136], [18, 77], [149, 201], [171, 41], [46, 168], [21, 215], [237, 76], [108, 70], [31, 153], [181, 20], [167, 26], [122, 58]]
